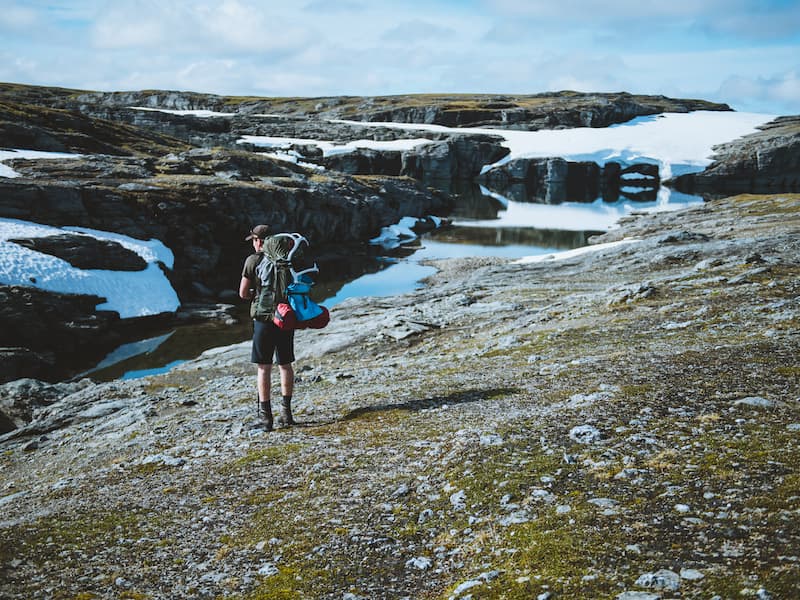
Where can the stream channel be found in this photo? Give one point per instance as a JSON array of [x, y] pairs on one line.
[[483, 224]]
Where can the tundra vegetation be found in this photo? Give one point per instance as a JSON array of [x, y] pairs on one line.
[[619, 424]]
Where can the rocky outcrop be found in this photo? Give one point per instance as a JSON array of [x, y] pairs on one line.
[[57, 130], [22, 398], [764, 162], [363, 161], [460, 157], [440, 162], [548, 110], [49, 335], [86, 252], [535, 112], [201, 203]]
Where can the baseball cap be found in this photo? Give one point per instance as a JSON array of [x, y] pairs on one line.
[[259, 231]]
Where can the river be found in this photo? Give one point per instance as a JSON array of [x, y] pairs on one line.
[[484, 224]]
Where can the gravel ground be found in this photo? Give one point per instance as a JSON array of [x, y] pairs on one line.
[[621, 423]]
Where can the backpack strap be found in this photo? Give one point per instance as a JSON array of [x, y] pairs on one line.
[[264, 271]]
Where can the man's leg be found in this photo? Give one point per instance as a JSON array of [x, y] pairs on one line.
[[287, 379], [287, 387], [263, 376]]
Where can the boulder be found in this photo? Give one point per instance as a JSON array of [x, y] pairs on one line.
[[764, 162], [21, 398], [364, 161], [86, 252], [45, 334]]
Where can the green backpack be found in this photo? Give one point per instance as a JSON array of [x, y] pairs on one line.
[[274, 271]]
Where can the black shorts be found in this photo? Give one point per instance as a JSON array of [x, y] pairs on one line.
[[269, 340]]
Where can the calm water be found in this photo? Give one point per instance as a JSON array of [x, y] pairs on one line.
[[485, 224]]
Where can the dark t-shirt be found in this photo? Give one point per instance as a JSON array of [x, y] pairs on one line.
[[249, 270]]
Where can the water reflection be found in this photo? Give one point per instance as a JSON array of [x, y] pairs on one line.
[[161, 353], [495, 238], [503, 211]]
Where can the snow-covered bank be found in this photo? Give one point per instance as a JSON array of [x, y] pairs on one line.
[[6, 171], [677, 142], [129, 293], [280, 145], [201, 113], [402, 232]]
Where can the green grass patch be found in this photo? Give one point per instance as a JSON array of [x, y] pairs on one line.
[[59, 537], [269, 455]]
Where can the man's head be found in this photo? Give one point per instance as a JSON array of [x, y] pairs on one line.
[[259, 232]]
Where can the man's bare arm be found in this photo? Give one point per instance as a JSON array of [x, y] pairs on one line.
[[245, 289]]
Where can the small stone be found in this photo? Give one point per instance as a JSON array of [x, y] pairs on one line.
[[584, 434], [458, 500], [400, 491], [420, 562], [515, 518], [491, 439], [755, 402], [603, 502], [691, 574], [663, 579], [682, 508], [268, 570]]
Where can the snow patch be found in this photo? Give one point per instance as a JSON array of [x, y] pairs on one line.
[[6, 171], [129, 293]]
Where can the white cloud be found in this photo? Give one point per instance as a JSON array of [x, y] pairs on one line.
[[782, 91], [678, 48], [228, 28]]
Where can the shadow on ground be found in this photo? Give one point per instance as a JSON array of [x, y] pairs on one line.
[[475, 395]]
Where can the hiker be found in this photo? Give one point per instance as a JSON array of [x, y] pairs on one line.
[[268, 339]]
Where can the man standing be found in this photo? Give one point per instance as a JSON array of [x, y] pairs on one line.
[[269, 340]]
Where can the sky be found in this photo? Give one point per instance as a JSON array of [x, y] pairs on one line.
[[742, 52]]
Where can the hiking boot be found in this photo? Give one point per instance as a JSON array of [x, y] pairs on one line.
[[286, 411], [265, 413]]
